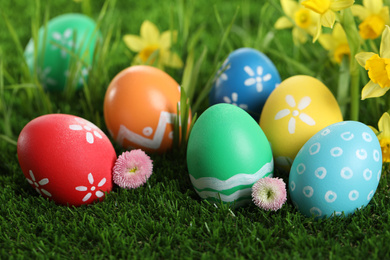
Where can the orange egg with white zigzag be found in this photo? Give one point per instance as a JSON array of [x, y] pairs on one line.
[[140, 107]]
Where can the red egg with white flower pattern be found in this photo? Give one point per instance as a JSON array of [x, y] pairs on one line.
[[66, 158]]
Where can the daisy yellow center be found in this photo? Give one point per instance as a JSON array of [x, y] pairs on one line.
[[266, 195], [132, 170], [372, 27], [147, 51], [385, 145], [379, 70], [340, 51], [302, 18], [318, 6]]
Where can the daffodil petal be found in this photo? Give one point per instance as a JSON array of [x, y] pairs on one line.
[[362, 57], [385, 47], [133, 42], [328, 19], [372, 90], [289, 7], [299, 36], [384, 125], [373, 6], [283, 23], [171, 59], [374, 130], [339, 35], [149, 32], [341, 4], [360, 11], [327, 41], [166, 39], [318, 32], [384, 14]]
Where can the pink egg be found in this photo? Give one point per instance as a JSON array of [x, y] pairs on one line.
[[66, 158]]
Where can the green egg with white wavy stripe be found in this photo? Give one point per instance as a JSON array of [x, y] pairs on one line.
[[227, 153]]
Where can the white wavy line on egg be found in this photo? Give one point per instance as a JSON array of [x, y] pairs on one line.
[[225, 198], [236, 180]]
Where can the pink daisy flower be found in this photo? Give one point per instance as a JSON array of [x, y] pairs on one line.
[[132, 169], [269, 193]]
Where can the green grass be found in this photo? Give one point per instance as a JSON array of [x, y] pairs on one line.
[[165, 218]]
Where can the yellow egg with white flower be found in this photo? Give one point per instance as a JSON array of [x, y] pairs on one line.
[[293, 113]]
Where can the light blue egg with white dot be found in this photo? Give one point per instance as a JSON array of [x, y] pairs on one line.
[[337, 170], [246, 79]]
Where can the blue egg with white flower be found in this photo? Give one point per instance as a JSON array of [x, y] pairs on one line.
[[337, 170], [246, 79]]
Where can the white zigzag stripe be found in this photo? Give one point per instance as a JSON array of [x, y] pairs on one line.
[[225, 198], [236, 180]]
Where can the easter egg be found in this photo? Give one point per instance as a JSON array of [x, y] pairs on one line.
[[140, 107], [65, 51], [294, 112], [227, 153], [66, 158], [246, 79], [337, 170]]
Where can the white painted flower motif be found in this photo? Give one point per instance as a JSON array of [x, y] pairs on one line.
[[43, 76], [65, 40], [234, 100], [81, 75], [89, 127], [296, 112], [256, 78], [221, 75], [92, 188], [84, 75], [38, 184]]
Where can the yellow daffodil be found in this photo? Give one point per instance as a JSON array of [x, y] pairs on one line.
[[150, 42], [378, 67], [327, 9], [303, 21], [336, 43], [374, 17], [384, 136]]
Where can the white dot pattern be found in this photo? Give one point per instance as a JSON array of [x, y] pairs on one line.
[[315, 148], [361, 154], [330, 196], [346, 173], [353, 195], [337, 170], [320, 172], [308, 191], [301, 168], [367, 174], [336, 151]]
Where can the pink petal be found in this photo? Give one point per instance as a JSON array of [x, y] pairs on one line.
[[262, 189], [135, 159]]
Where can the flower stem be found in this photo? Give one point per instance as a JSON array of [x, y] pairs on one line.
[[348, 23]]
